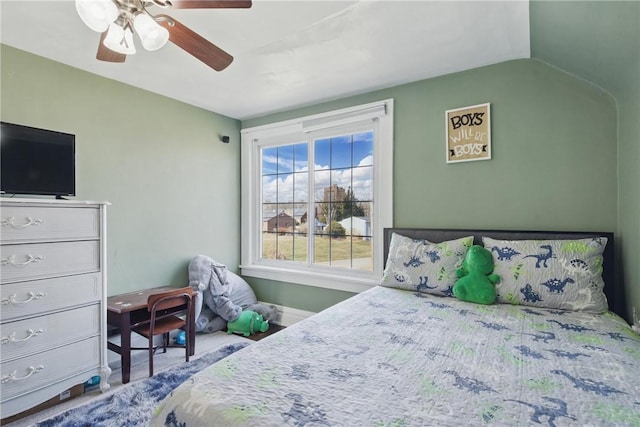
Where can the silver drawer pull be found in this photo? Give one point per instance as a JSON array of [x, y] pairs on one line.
[[12, 260], [30, 221], [12, 336], [30, 297], [12, 376]]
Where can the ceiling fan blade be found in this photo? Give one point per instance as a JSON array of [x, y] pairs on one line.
[[194, 44], [106, 54], [210, 4]]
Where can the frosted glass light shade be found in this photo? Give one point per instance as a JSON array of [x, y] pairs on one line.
[[152, 35], [120, 40], [97, 14]]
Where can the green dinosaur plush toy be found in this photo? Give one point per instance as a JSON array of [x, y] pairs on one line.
[[476, 282], [249, 322]]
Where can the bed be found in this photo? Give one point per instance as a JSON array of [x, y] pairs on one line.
[[407, 353]]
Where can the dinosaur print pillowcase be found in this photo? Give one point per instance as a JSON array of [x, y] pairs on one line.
[[559, 274], [422, 266]]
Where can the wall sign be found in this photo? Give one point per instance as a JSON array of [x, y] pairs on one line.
[[468, 134]]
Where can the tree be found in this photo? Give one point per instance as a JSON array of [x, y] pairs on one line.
[[336, 229], [350, 206], [330, 212]]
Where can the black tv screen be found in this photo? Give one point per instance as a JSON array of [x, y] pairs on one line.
[[36, 161]]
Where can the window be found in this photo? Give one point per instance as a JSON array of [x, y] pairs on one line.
[[316, 195]]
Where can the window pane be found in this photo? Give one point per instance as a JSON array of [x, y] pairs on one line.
[[285, 159], [285, 246], [300, 249], [321, 246], [322, 180], [343, 193], [363, 149], [269, 160], [328, 212], [299, 213], [341, 152], [301, 157], [341, 181], [285, 188], [362, 185], [269, 189], [362, 253], [285, 222], [347, 213], [322, 154], [301, 187], [269, 213], [340, 251], [269, 245]]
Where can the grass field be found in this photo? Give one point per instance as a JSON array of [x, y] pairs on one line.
[[338, 251]]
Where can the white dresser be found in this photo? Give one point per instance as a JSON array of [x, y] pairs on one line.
[[53, 292]]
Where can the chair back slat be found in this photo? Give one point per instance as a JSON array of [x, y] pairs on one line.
[[169, 299]]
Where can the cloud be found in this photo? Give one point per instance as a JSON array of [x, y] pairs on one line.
[[293, 187]]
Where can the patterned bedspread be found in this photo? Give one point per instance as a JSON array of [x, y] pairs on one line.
[[391, 357]]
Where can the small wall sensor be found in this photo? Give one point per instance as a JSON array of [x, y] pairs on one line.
[[225, 139]]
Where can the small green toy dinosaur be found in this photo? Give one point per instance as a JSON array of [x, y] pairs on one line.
[[476, 282], [248, 323]]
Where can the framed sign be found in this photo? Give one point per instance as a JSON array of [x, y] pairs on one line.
[[468, 133]]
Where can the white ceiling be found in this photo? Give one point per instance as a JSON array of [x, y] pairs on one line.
[[288, 54]]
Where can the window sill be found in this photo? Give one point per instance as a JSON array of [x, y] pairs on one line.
[[308, 278]]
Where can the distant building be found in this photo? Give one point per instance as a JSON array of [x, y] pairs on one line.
[[303, 218], [357, 226], [333, 193], [318, 225], [281, 223]]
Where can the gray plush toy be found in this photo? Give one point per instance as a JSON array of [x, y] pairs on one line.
[[224, 295]]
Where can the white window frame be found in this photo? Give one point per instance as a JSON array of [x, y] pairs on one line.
[[299, 130]]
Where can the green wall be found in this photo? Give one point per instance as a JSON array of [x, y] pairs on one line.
[[601, 43], [174, 187], [565, 151], [553, 167]]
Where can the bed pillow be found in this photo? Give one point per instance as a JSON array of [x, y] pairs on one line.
[[559, 274], [419, 265]]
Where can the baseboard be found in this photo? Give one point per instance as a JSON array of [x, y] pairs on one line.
[[287, 316]]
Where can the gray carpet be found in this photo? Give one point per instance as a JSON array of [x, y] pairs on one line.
[[132, 405]]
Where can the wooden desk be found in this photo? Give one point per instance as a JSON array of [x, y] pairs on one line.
[[126, 310]]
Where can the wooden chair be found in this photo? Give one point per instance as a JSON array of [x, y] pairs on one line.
[[165, 309]]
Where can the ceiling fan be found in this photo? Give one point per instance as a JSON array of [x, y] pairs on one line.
[[117, 20]]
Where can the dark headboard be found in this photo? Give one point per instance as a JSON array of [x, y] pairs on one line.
[[613, 290]]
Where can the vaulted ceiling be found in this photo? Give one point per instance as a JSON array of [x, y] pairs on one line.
[[288, 53]]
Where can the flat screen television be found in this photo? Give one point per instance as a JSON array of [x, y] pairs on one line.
[[36, 161]]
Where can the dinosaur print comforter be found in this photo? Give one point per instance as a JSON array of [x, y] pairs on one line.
[[390, 357]]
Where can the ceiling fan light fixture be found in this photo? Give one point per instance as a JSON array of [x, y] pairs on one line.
[[152, 35], [97, 14], [120, 39]]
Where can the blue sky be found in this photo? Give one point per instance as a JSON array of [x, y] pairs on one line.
[[285, 168]]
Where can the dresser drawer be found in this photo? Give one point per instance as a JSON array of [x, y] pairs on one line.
[[41, 260], [37, 334], [30, 373], [35, 223], [25, 299]]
